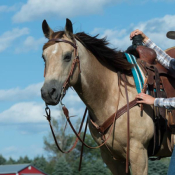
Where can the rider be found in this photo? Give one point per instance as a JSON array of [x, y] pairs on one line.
[[168, 63]]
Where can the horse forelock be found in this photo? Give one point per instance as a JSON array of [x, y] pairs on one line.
[[53, 36]]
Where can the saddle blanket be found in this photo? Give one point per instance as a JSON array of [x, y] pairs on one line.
[[136, 71]]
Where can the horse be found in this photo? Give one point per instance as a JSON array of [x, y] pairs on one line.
[[96, 78]]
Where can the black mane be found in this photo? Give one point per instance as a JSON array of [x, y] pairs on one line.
[[99, 48]]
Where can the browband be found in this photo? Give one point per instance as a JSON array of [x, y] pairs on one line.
[[65, 41]]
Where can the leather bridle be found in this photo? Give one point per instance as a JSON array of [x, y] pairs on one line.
[[75, 61]]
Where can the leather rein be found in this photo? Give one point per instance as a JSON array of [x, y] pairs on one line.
[[110, 122]]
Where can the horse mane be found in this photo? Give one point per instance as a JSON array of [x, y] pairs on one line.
[[99, 48]]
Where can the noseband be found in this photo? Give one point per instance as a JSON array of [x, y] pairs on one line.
[[76, 60]]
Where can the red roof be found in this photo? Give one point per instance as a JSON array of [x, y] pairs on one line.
[[21, 169]]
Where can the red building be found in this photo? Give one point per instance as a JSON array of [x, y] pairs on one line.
[[20, 169]]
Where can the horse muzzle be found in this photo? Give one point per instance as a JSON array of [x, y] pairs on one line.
[[50, 92]]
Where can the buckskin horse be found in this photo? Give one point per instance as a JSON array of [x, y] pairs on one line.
[[94, 70]]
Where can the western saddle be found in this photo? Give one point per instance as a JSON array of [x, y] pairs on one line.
[[160, 84]]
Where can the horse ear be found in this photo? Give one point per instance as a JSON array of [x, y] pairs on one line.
[[47, 30], [69, 28]]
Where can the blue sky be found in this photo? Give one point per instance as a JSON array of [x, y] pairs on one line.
[[22, 125]]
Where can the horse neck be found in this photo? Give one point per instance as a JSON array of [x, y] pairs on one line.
[[98, 86]]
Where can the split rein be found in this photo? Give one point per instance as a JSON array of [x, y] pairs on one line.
[[110, 122]]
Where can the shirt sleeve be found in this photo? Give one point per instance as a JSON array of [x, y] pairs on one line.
[[168, 103], [162, 57], [172, 65]]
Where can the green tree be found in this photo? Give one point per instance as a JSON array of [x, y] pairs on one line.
[[89, 154], [40, 163], [20, 160], [62, 167], [95, 167], [50, 167], [2, 160], [26, 160], [11, 161], [75, 167], [157, 168]]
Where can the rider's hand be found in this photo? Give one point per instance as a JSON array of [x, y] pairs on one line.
[[138, 32], [144, 98]]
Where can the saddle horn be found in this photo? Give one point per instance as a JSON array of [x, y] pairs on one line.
[[171, 34], [136, 41]]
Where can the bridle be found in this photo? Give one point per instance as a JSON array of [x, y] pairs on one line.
[[101, 129], [75, 61]]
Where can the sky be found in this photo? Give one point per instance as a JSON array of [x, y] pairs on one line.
[[22, 124]]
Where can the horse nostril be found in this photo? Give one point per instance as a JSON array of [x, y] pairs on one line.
[[52, 91]]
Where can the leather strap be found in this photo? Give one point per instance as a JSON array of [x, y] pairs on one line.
[[103, 128], [82, 146], [145, 85], [66, 113], [128, 130], [48, 116], [66, 83], [65, 41]]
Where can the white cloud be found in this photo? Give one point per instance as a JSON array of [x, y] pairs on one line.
[[33, 9], [155, 29], [25, 112], [7, 38], [32, 112], [5, 8], [17, 94], [31, 44], [33, 91]]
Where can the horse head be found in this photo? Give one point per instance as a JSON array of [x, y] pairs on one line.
[[59, 54]]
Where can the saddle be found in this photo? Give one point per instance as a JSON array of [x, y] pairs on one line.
[[160, 84], [159, 77]]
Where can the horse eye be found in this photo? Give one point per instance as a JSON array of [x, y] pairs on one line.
[[67, 57]]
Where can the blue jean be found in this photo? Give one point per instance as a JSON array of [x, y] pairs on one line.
[[171, 169]]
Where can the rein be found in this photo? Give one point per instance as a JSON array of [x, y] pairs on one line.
[[110, 122]]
